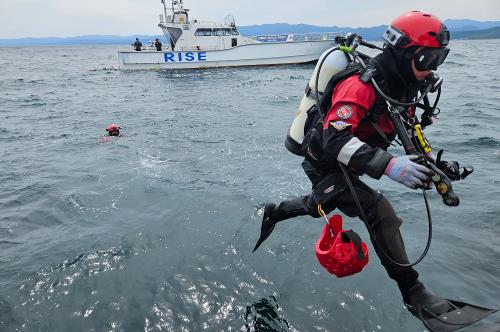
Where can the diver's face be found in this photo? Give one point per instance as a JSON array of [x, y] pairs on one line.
[[419, 74]]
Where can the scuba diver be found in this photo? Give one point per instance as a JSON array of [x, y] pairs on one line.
[[113, 130], [351, 140]]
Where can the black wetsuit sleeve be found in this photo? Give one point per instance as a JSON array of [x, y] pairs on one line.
[[340, 145], [351, 101]]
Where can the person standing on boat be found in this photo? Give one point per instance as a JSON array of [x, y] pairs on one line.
[[350, 136], [137, 45], [158, 45]]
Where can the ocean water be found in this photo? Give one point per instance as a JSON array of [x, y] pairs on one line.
[[153, 230]]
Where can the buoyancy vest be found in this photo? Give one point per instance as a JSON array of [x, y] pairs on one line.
[[311, 147]]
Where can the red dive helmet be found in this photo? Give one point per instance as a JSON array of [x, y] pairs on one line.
[[420, 29], [113, 130], [341, 252]]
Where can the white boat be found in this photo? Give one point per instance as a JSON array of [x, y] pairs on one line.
[[197, 44]]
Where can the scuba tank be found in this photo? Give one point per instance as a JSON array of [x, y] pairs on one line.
[[334, 63]]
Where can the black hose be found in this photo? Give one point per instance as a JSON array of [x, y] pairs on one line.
[[372, 236]]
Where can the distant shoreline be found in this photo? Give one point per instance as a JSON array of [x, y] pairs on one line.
[[468, 32], [20, 44]]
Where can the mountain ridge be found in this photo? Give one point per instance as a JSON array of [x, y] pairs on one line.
[[459, 28]]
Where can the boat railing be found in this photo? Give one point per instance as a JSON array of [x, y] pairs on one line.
[[295, 37], [166, 48], [200, 48], [151, 48]]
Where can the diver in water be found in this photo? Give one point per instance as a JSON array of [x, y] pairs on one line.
[[113, 130], [357, 130]]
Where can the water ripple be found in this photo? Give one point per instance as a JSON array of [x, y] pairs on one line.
[[153, 230]]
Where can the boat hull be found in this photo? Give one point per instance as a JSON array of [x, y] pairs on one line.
[[245, 55]]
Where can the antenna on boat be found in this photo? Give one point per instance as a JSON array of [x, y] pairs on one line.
[[177, 3], [164, 10], [229, 21]]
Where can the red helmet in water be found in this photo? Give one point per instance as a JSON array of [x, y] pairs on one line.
[[113, 130], [420, 29]]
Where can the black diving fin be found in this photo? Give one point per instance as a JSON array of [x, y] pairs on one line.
[[488, 328], [443, 315], [268, 224]]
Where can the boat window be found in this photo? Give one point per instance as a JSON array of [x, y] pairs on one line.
[[203, 32], [218, 32], [234, 32], [226, 31]]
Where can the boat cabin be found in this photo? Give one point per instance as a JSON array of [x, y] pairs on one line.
[[185, 34]]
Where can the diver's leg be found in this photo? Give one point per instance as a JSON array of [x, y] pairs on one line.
[[324, 192], [285, 210], [290, 208], [384, 225], [302, 205], [421, 302]]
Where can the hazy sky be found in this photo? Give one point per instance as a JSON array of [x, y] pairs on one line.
[[63, 18]]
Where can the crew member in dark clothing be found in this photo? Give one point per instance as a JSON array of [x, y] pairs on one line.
[[357, 131], [158, 44], [137, 45]]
